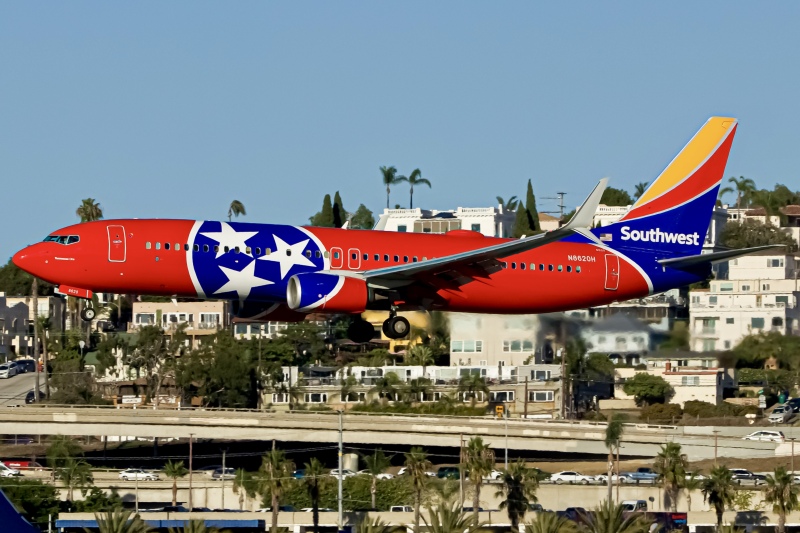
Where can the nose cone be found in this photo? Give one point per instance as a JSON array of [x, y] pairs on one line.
[[26, 259]]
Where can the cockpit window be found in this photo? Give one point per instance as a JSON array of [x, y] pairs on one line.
[[62, 239]]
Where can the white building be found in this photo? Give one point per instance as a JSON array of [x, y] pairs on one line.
[[200, 318], [492, 340], [608, 214], [761, 294], [623, 338]]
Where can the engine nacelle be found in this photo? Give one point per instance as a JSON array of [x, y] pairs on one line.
[[329, 293]]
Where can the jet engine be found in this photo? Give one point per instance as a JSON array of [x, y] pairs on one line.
[[329, 293]]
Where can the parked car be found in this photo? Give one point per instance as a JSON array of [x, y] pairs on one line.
[[25, 365], [740, 475], [300, 473], [494, 475], [401, 509], [576, 514], [404, 470], [228, 473], [642, 475], [282, 508], [382, 475], [771, 436], [7, 371], [623, 478], [634, 505], [696, 475], [345, 473], [137, 473], [570, 476], [321, 510], [449, 472], [781, 414]]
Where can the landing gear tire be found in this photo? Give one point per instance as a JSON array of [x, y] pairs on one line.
[[396, 327], [88, 314], [360, 331]]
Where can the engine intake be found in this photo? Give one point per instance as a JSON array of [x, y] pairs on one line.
[[328, 293]]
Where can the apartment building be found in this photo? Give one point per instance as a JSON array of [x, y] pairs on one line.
[[202, 318], [760, 294], [626, 340], [494, 340]]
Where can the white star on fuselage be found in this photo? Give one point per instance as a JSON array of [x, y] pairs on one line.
[[242, 281], [288, 255], [227, 236]]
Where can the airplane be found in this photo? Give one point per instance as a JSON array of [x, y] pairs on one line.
[[284, 272]]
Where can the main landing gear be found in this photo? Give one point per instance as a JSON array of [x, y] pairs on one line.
[[396, 327], [88, 314]]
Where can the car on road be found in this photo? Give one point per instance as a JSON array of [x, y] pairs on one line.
[[8, 472], [382, 475], [404, 471], [137, 473], [494, 475], [7, 370], [346, 473], [642, 475], [300, 473], [603, 478], [449, 472], [401, 509], [741, 475], [781, 414], [25, 365], [208, 469], [570, 476], [321, 510], [629, 506], [228, 473], [770, 436], [22, 465]]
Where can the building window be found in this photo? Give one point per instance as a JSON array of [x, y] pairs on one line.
[[540, 396], [777, 322], [316, 397], [729, 321], [354, 397], [712, 300], [518, 346], [709, 345], [745, 288], [241, 329], [726, 287], [782, 300], [765, 287], [145, 318], [540, 375], [402, 229], [280, 397], [209, 320], [727, 345], [757, 323], [501, 396], [709, 325], [690, 380], [476, 227], [774, 263], [695, 299], [466, 396], [469, 346]]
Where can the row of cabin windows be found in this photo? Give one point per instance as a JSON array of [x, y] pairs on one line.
[[206, 248], [550, 268]]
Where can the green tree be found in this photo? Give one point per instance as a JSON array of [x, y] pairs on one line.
[[244, 485], [235, 209], [531, 211], [551, 523], [362, 218], [782, 494], [120, 521], [156, 356], [478, 463], [470, 385], [311, 479], [417, 465], [614, 429], [639, 189], [390, 177], [744, 187], [522, 227], [647, 389], [750, 233], [718, 491], [35, 499], [618, 197], [324, 219], [61, 449], [386, 386], [339, 212], [89, 210], [508, 205], [518, 488], [276, 472], [610, 518], [377, 463], [449, 518], [415, 178], [97, 501], [671, 466], [422, 355], [75, 474], [174, 471], [16, 282]]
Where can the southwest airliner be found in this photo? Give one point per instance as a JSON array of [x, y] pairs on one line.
[[280, 272]]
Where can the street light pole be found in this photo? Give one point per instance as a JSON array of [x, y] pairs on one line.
[[792, 439], [191, 499], [716, 434], [341, 458], [223, 479], [506, 458]]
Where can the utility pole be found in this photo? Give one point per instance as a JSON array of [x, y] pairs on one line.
[[506, 457], [137, 492], [525, 400], [35, 305], [716, 434], [223, 479], [341, 466], [792, 439], [191, 500], [461, 469]]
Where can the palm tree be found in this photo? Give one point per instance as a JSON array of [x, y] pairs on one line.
[[61, 449], [242, 485], [551, 523], [782, 494], [417, 464], [417, 389], [671, 465], [519, 489], [313, 475], [718, 491], [89, 210], [509, 205], [120, 521], [75, 473], [377, 463], [610, 518], [375, 525], [722, 192], [423, 356], [390, 178], [175, 471], [478, 463], [639, 189], [614, 430], [744, 188], [470, 385], [386, 386], [448, 518], [690, 483], [348, 384], [415, 178], [276, 470], [235, 209], [43, 323]]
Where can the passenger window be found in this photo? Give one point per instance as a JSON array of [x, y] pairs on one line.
[[366, 257], [288, 252], [354, 256], [327, 253], [405, 259], [541, 267], [414, 259], [205, 248], [216, 248], [560, 268], [386, 257], [236, 249], [267, 251], [550, 268], [166, 246], [505, 265], [308, 254], [317, 254], [336, 255], [578, 268], [196, 247], [569, 268], [227, 249], [147, 245], [178, 246], [397, 259], [424, 258], [377, 257], [533, 266], [258, 251], [522, 266], [248, 250], [514, 265], [186, 246], [158, 246]]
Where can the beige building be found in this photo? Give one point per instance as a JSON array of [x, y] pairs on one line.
[[202, 318], [492, 340]]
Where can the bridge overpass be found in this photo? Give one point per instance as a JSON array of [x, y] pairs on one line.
[[639, 440]]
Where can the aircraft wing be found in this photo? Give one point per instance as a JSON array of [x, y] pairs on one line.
[[482, 261]]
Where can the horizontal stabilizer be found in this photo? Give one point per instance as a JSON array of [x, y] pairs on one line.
[[716, 257]]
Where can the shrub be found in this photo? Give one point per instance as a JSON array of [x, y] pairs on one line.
[[661, 412]]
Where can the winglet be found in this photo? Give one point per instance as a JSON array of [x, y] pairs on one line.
[[585, 214]]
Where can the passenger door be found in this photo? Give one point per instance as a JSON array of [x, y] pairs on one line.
[[612, 272], [116, 244]]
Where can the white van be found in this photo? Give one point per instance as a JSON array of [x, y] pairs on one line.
[[630, 506], [401, 509]]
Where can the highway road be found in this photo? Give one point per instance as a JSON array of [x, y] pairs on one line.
[[14, 389]]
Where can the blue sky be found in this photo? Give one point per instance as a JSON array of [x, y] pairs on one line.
[[173, 109]]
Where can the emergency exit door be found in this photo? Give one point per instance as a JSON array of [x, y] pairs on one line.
[[116, 244], [612, 272]]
